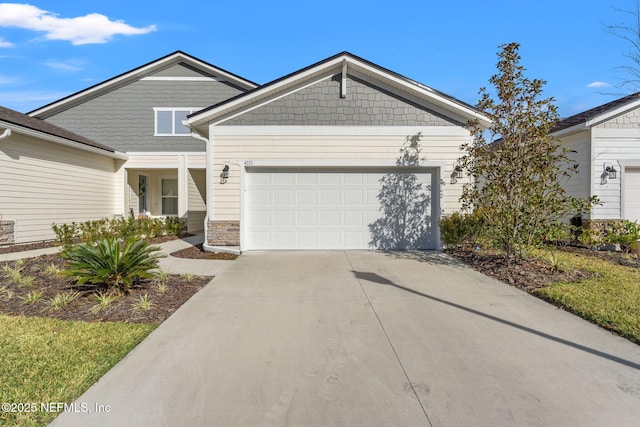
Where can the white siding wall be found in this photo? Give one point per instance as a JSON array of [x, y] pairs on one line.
[[43, 183], [197, 206], [612, 147], [438, 144], [580, 143]]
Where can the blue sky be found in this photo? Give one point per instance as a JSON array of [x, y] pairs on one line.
[[50, 49]]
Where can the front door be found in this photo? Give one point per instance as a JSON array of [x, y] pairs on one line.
[[143, 198]]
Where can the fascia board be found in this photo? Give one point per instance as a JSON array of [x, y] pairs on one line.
[[271, 91], [568, 131], [420, 92], [596, 120], [423, 92], [134, 75]]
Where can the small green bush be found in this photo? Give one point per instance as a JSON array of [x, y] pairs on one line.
[[462, 230], [123, 228], [111, 263], [624, 233]]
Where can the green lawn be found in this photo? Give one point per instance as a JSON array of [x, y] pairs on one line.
[[611, 300], [46, 360]]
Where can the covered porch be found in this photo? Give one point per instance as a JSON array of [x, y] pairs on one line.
[[169, 186]]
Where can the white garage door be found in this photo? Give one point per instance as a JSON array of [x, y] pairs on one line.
[[339, 208], [632, 194]]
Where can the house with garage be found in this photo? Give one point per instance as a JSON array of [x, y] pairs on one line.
[[49, 174], [311, 160], [140, 113], [605, 141], [302, 162]]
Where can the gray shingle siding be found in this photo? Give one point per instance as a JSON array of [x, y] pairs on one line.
[[180, 70], [124, 118], [321, 105]]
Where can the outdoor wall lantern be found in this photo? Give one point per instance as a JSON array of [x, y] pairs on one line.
[[457, 174], [610, 172], [224, 176]]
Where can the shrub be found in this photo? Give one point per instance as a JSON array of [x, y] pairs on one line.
[[624, 233], [111, 263], [124, 228], [462, 230], [66, 234]]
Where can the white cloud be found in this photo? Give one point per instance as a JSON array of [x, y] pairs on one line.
[[4, 43], [72, 65], [88, 29], [9, 80], [598, 84]]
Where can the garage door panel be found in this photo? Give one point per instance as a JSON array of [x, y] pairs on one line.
[[329, 239], [330, 217], [316, 209], [284, 218], [330, 196], [307, 240], [354, 197], [329, 179], [260, 218], [306, 179], [283, 197], [306, 197], [306, 218], [353, 218]]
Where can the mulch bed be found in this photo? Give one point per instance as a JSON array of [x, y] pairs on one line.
[[528, 274], [165, 300], [179, 288], [197, 252]]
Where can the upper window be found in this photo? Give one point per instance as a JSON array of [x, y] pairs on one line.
[[169, 121]]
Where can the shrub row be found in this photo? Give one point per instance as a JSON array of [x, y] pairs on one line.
[[123, 228], [469, 230]]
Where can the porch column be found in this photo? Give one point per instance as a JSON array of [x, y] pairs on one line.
[[183, 187]]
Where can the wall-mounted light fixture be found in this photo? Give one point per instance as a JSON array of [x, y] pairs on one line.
[[456, 174], [224, 175], [609, 172]]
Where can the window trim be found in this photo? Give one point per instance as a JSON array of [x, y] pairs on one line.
[[162, 197], [173, 110]]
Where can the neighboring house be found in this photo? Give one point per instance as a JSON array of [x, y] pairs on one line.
[[140, 113], [51, 175], [606, 141], [311, 160]]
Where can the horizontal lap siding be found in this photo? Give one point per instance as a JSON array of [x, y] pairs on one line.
[[43, 183], [197, 207], [611, 146], [580, 145], [232, 149]]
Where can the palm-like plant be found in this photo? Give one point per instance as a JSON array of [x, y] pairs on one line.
[[111, 263]]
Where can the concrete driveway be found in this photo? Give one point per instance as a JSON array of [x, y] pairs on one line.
[[367, 339]]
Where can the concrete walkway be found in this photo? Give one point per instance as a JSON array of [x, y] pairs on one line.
[[170, 264], [367, 339]]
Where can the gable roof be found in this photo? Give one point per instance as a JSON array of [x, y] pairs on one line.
[[174, 58], [331, 65], [599, 114], [22, 123]]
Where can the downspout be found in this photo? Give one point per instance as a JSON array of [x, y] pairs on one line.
[[5, 134]]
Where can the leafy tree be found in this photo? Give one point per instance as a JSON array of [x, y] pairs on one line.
[[518, 165]]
